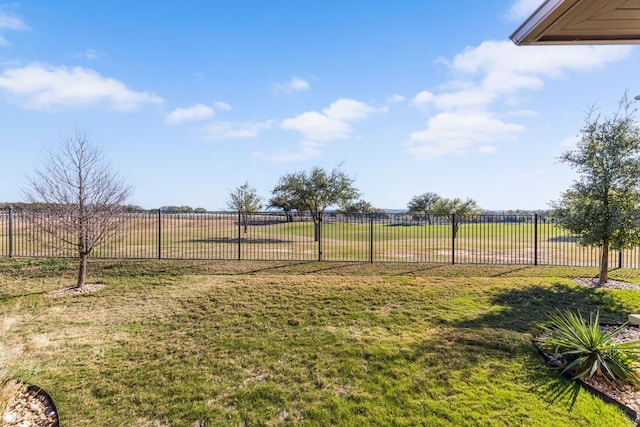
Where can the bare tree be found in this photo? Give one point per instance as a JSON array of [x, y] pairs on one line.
[[80, 201]]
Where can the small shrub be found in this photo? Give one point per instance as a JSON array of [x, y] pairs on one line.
[[587, 351]]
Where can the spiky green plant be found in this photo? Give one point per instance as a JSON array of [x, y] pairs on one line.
[[587, 351]]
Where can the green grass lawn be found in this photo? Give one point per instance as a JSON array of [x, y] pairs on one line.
[[306, 343]]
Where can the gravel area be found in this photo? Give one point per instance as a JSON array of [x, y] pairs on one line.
[[611, 284], [33, 407], [74, 290]]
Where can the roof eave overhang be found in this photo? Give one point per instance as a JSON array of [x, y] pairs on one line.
[[541, 28], [533, 27]]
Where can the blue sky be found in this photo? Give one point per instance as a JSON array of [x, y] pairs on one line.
[[189, 100]]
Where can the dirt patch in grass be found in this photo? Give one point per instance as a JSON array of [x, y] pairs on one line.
[[76, 290], [611, 284]]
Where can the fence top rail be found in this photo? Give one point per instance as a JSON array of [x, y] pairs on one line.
[[516, 217]]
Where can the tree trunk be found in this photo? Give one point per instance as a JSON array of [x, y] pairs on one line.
[[604, 263], [244, 219], [82, 271], [316, 230]]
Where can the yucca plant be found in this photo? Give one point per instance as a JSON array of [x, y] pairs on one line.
[[587, 351]]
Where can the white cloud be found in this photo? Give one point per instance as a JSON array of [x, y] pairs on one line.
[[487, 149], [222, 106], [308, 150], [318, 126], [570, 142], [488, 78], [91, 55], [455, 132], [495, 60], [395, 99], [521, 9], [218, 131], [523, 113], [333, 122], [469, 98], [191, 114], [296, 84], [423, 98], [41, 87], [11, 23]]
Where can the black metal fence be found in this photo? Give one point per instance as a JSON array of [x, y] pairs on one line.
[[478, 239]]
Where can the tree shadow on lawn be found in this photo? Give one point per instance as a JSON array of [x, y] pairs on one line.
[[523, 310], [234, 240], [564, 239], [4, 298]]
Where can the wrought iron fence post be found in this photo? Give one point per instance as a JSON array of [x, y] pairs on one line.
[[319, 237], [10, 232], [239, 234], [371, 237], [453, 239], [159, 233], [535, 239]]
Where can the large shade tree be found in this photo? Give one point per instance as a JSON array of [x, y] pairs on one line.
[[422, 205], [602, 207], [80, 202], [246, 201], [456, 210], [286, 205], [357, 207], [315, 191]]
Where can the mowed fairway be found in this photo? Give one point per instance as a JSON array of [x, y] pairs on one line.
[[186, 343]]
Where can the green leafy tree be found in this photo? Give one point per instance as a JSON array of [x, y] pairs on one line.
[[314, 192], [602, 207], [246, 201], [360, 207], [288, 206], [176, 209], [81, 202], [421, 205], [455, 210], [357, 207]]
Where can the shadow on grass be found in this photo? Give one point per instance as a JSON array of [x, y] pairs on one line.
[[562, 392], [511, 271], [11, 297], [522, 309], [563, 239], [234, 240]]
